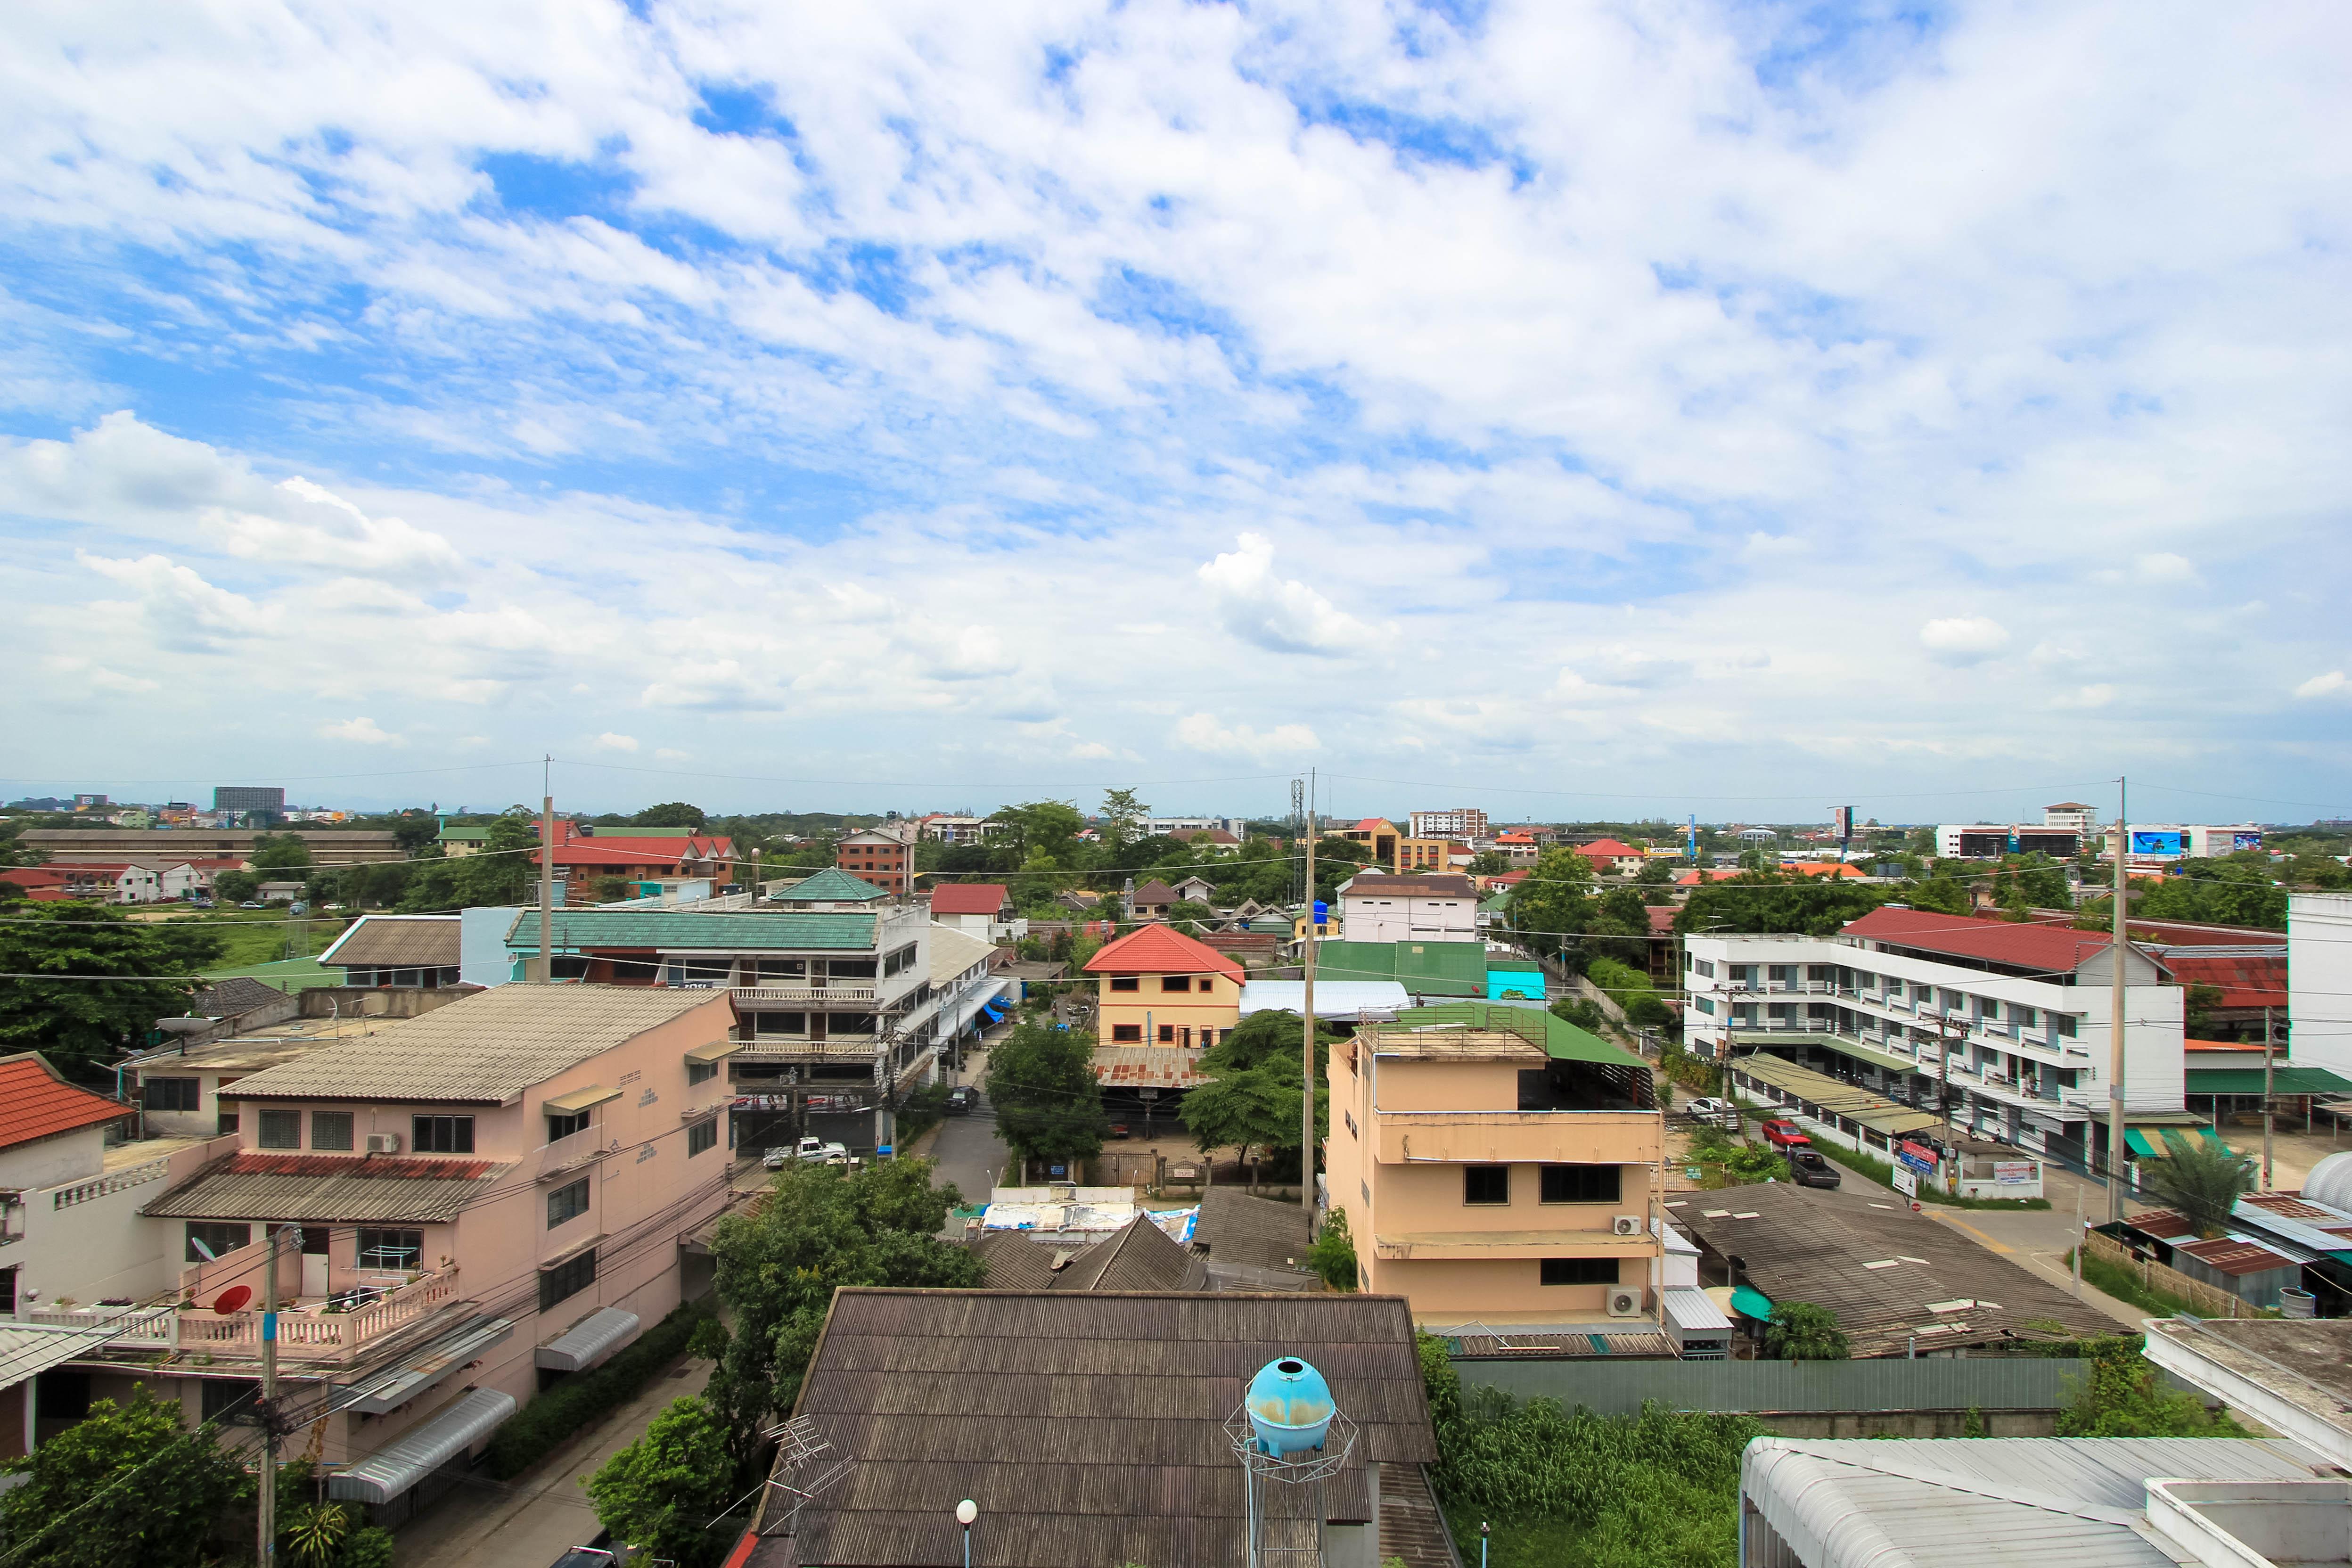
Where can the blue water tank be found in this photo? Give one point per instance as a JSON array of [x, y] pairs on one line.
[[1289, 1408]]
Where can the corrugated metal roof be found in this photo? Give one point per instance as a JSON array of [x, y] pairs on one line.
[[27, 1349], [2256, 979], [1260, 1232], [1333, 998], [400, 942], [1147, 1066], [698, 931], [2239, 1078], [1140, 1255], [35, 1102], [968, 898], [2019, 1502], [953, 951], [345, 1190], [1119, 1402], [1873, 1110], [832, 886], [2055, 950], [424, 1448], [1425, 968], [488, 1047]]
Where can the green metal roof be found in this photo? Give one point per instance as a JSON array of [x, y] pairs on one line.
[[1562, 1041], [1841, 1045], [832, 886], [749, 931], [2248, 1080], [1873, 1112], [1438, 968]]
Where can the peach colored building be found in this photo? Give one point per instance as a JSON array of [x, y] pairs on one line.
[[1496, 1165], [1160, 987], [496, 1194]]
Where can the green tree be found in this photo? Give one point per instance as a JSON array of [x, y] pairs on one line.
[[2122, 1398], [777, 1271], [1252, 1078], [1187, 912], [413, 830], [278, 852], [129, 1484], [1769, 901], [1041, 1079], [80, 1024], [659, 1492], [1122, 816], [502, 872], [1489, 863], [1802, 1332], [2204, 1179], [1333, 1256], [671, 814], [1554, 901], [236, 886], [1048, 827]]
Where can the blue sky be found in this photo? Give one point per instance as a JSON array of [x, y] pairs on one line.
[[1579, 409]]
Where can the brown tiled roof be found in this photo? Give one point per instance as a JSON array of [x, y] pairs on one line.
[[1258, 1233], [238, 994], [397, 942], [1089, 1427], [36, 1101], [1155, 891]]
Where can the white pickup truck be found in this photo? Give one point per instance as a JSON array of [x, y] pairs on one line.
[[816, 1149]]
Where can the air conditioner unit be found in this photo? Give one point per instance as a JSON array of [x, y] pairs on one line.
[[384, 1142], [1626, 1225], [1625, 1301]]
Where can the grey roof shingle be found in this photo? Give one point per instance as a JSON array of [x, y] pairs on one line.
[[1138, 1257], [238, 994], [326, 1189], [1258, 1233], [404, 942], [485, 1048], [1117, 1404], [698, 931]]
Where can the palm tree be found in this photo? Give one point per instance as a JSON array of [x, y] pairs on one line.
[[2203, 1178]]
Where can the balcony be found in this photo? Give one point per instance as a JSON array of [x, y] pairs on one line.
[[306, 1331], [575, 1151], [801, 995], [1516, 1137]]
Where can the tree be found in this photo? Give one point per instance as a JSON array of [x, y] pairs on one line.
[[2204, 1179], [1489, 863], [659, 1492], [1333, 1256], [1187, 911], [671, 814], [80, 1024], [236, 886], [1049, 827], [1554, 901], [1252, 1078], [2196, 1004], [413, 830], [502, 872], [1122, 816], [129, 1484], [777, 1271], [1802, 1332], [1041, 1079], [278, 852], [1769, 901], [2123, 1399]]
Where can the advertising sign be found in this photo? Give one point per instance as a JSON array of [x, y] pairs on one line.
[[1842, 817], [1906, 1182], [2156, 842], [2013, 1170], [2243, 841], [1912, 1157]]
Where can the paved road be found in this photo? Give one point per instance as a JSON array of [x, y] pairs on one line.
[[969, 1154]]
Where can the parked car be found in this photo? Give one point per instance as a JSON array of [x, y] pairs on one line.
[[776, 1159], [1784, 1134], [200, 903], [817, 1149], [253, 904], [1714, 1113], [1808, 1169], [962, 1100]]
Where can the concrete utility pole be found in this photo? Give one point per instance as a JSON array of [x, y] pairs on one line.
[[1306, 1099], [546, 885], [2268, 1069], [267, 1510], [2119, 945]]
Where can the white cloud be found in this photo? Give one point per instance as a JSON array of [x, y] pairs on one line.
[[366, 731], [1281, 616], [1202, 733], [609, 742], [2327, 685], [2084, 697], [1964, 639], [2166, 567]]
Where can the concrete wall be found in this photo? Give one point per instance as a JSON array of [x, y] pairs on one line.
[[45, 1161], [2319, 983], [86, 1241]]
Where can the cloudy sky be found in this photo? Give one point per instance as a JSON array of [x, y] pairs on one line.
[[1577, 410]]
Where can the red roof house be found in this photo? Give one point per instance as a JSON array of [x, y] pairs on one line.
[[968, 898], [1160, 950], [36, 1104], [2051, 949], [2247, 980]]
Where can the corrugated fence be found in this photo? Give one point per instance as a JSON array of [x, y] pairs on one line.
[[1823, 1387]]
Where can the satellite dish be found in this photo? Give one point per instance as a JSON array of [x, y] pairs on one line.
[[233, 1300]]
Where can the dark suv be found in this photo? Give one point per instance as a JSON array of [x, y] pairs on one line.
[[962, 1100]]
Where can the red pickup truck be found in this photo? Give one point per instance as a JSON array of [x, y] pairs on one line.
[[1784, 1134]]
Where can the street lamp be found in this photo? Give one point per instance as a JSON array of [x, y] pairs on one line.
[[966, 1511]]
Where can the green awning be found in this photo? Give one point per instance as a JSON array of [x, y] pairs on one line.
[[2246, 1080], [2144, 1143], [1754, 1303]]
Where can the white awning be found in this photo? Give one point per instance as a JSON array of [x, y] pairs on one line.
[[389, 1390], [1689, 1308], [423, 1449], [595, 1336]]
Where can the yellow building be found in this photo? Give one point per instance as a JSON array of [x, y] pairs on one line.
[[1496, 1165], [1160, 987], [1393, 847]]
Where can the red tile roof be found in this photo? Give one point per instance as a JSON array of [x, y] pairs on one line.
[[249, 1163], [968, 898], [2052, 949], [2246, 979], [1160, 950], [1662, 919], [1372, 824], [34, 1103], [1610, 849]]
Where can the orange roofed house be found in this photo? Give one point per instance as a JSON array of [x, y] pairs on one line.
[[1161, 987]]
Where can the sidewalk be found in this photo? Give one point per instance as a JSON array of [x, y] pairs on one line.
[[534, 1520]]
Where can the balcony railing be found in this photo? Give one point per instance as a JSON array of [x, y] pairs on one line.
[[113, 1182], [306, 1331], [797, 995]]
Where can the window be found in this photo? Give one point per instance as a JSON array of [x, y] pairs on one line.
[[2065, 1023], [562, 1126], [1125, 983], [567, 1279], [1167, 1034], [1578, 1271], [217, 1236], [1485, 1184], [700, 1136], [2024, 1017], [700, 1073], [1704, 1005], [226, 1396], [1781, 973], [225, 1124], [1175, 982], [282, 1130], [390, 1249], [1581, 1184], [780, 1023], [1705, 966], [1991, 1009], [173, 1093], [1349, 1117], [1894, 989], [567, 1203], [330, 1130], [1126, 1034], [443, 1135]]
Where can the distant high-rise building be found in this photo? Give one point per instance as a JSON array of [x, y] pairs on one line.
[[1462, 822], [250, 798], [2072, 814]]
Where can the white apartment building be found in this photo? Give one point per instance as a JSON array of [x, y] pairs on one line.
[[1408, 909], [1161, 826], [2007, 1025], [1465, 822], [2319, 980]]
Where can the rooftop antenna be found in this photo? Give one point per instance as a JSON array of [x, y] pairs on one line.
[[1291, 1439]]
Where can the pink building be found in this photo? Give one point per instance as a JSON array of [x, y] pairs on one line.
[[496, 1194]]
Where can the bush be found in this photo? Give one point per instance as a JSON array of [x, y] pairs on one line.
[[569, 1409], [1581, 1011], [1333, 1256], [1802, 1332]]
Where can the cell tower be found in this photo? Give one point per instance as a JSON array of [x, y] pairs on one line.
[[1291, 1439], [1297, 831]]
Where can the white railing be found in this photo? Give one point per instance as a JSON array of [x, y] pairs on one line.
[[776, 995], [311, 1333], [112, 1182], [142, 1326]]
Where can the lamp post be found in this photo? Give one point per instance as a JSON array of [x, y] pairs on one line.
[[966, 1511], [1481, 1544]]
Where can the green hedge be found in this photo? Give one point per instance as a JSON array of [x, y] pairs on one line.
[[1630, 989], [570, 1408]]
